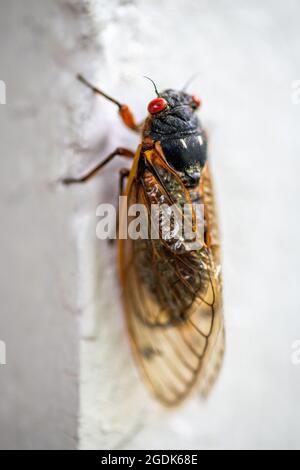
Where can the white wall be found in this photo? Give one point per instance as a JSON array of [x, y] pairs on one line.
[[56, 272]]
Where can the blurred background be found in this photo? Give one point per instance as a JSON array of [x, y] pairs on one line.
[[67, 379]]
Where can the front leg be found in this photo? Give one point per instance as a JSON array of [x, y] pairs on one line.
[[124, 110], [119, 152]]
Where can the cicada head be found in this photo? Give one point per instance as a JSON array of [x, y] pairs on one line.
[[173, 112]]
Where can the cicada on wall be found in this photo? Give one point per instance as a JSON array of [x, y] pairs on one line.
[[172, 290]]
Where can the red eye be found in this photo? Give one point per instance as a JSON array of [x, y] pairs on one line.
[[196, 101], [157, 105]]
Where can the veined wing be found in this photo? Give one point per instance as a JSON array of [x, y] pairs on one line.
[[173, 305]]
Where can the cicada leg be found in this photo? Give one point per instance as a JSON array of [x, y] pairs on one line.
[[124, 110], [119, 152]]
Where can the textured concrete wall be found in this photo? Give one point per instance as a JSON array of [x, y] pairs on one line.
[[55, 272]]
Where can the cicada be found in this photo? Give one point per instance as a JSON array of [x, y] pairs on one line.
[[172, 294]]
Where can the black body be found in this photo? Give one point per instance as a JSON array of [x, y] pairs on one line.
[[179, 132]]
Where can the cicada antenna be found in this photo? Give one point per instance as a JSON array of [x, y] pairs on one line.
[[190, 80], [154, 84]]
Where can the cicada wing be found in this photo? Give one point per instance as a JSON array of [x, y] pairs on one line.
[[174, 311], [215, 358]]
